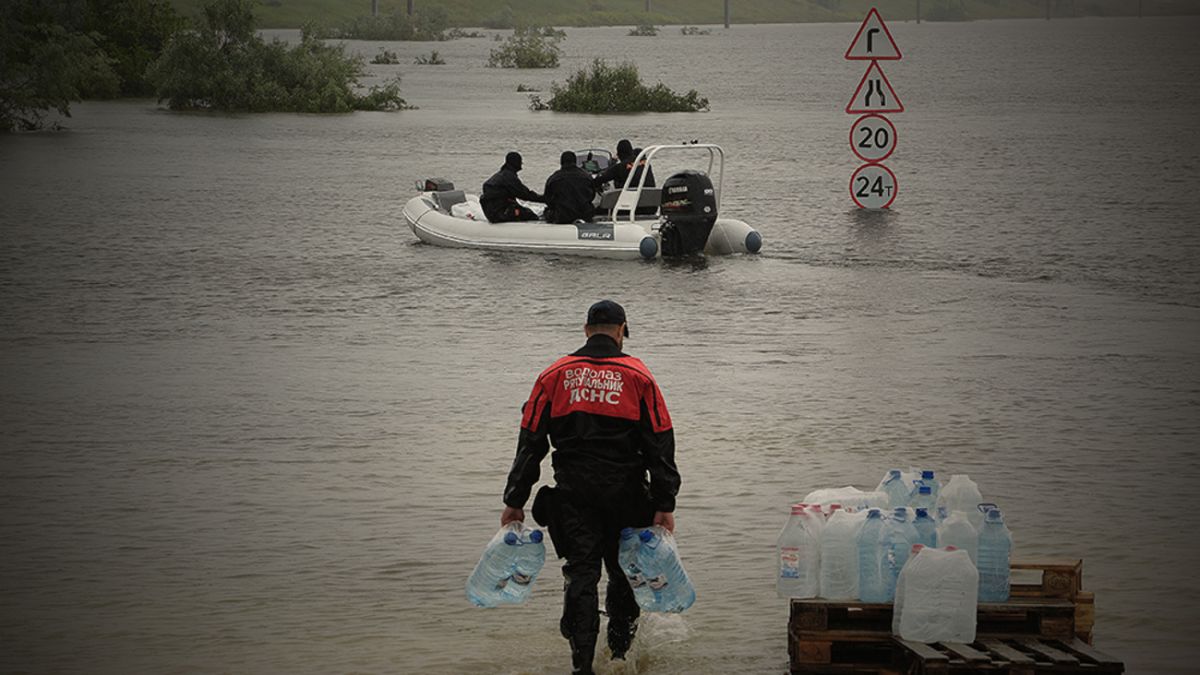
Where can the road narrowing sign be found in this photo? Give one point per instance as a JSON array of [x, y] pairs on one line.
[[874, 94]]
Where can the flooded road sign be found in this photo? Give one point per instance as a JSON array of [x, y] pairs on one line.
[[873, 186], [873, 41], [872, 137], [874, 94]]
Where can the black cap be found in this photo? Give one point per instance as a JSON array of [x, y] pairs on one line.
[[513, 161], [607, 312], [567, 159], [624, 149]]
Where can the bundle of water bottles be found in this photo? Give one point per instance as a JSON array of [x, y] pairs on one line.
[[849, 544], [650, 560], [508, 567]]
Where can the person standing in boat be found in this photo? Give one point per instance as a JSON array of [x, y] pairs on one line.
[[614, 467], [620, 170], [569, 192], [503, 189]]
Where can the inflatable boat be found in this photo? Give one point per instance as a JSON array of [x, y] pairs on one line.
[[680, 217]]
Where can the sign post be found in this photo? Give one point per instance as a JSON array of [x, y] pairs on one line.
[[873, 136]]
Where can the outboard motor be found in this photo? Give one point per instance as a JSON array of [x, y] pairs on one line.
[[689, 209]]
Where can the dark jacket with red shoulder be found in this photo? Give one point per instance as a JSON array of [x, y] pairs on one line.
[[606, 418]]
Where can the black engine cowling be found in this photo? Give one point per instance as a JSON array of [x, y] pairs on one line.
[[689, 209]]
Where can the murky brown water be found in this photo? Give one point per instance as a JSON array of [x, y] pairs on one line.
[[250, 425]]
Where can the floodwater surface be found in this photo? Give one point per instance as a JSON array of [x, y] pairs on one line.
[[251, 425]]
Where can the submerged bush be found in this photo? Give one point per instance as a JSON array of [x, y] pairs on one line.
[[386, 57], [644, 30], [456, 33], [615, 89], [434, 59], [223, 64], [425, 25], [528, 47], [694, 30]]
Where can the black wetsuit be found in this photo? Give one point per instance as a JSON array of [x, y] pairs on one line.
[[500, 195], [619, 171], [569, 195]]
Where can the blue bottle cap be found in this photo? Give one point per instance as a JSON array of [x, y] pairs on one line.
[[511, 538], [627, 533], [894, 473], [925, 490], [994, 516], [645, 535], [922, 512], [874, 513], [536, 536], [926, 474], [900, 513]]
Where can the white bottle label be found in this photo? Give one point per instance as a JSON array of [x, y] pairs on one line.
[[789, 562]]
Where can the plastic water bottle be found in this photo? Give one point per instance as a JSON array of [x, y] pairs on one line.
[[897, 541], [659, 561], [922, 498], [926, 528], [936, 597], [963, 495], [800, 555], [895, 488], [839, 555], [995, 551], [627, 557], [870, 559], [956, 530], [935, 487], [508, 567]]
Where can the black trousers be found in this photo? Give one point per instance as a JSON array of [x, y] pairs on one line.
[[585, 524], [510, 212]]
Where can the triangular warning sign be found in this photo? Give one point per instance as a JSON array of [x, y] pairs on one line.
[[874, 94], [873, 41]]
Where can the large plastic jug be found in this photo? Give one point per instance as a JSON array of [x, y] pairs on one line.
[[658, 559], [508, 567], [799, 548], [926, 528], [870, 559], [839, 555], [896, 540], [956, 530], [962, 494], [928, 479], [936, 597], [627, 557], [896, 488], [995, 553]]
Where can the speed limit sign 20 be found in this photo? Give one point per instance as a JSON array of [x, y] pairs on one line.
[[873, 137]]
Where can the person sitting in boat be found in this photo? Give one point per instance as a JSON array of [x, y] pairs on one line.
[[503, 189], [569, 192], [619, 170]]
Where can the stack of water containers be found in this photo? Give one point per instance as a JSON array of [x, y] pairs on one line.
[[846, 544], [650, 560], [508, 567]]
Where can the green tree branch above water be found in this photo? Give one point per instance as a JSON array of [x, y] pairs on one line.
[[615, 89], [222, 64]]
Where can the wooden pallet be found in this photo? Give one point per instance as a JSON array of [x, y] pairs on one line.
[[1021, 656], [1057, 579], [836, 633], [1047, 603]]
